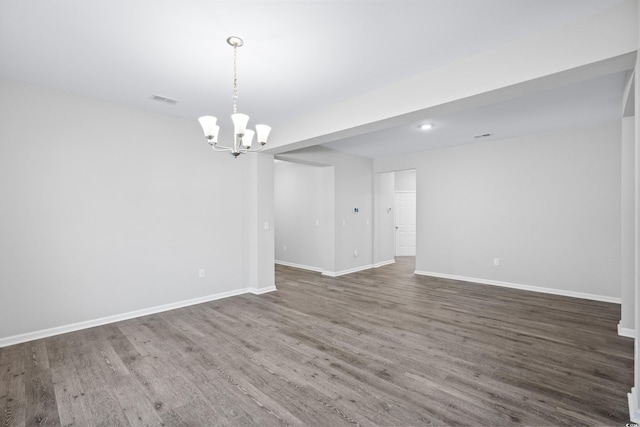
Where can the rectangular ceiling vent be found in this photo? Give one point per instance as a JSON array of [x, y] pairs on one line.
[[482, 135], [164, 99]]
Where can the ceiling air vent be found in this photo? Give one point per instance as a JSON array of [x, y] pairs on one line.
[[482, 135], [164, 99]]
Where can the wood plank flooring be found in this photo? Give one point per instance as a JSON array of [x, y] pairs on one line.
[[379, 347]]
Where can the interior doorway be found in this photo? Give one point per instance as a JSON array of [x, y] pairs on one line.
[[304, 197], [395, 216]]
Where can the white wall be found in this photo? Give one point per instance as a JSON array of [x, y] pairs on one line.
[[258, 222], [405, 180], [300, 215], [627, 308], [546, 205], [108, 210], [353, 188], [634, 396]]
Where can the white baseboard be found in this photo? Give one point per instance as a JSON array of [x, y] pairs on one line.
[[301, 266], [343, 272], [383, 263], [260, 291], [336, 273], [561, 292], [30, 336], [626, 332]]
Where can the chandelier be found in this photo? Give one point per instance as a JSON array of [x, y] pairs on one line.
[[242, 137]]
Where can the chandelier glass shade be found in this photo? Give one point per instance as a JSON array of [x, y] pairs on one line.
[[242, 137]]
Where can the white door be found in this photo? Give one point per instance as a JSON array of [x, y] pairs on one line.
[[406, 223]]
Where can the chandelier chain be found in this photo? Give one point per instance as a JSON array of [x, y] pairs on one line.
[[235, 79]]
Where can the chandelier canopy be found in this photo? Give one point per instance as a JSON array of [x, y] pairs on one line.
[[242, 137]]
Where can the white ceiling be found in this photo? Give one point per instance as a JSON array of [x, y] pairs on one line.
[[298, 56], [592, 101]]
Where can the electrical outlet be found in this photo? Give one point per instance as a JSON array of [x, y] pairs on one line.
[[355, 253], [201, 273], [496, 261]]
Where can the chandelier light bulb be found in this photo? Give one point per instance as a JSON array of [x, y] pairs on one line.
[[263, 133], [240, 122], [247, 138], [210, 128]]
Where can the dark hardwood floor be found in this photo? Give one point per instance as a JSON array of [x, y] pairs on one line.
[[379, 347]]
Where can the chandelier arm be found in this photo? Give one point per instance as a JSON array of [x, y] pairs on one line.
[[253, 150], [245, 151], [221, 148]]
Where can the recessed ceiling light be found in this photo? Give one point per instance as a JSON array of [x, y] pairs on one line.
[[425, 126]]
